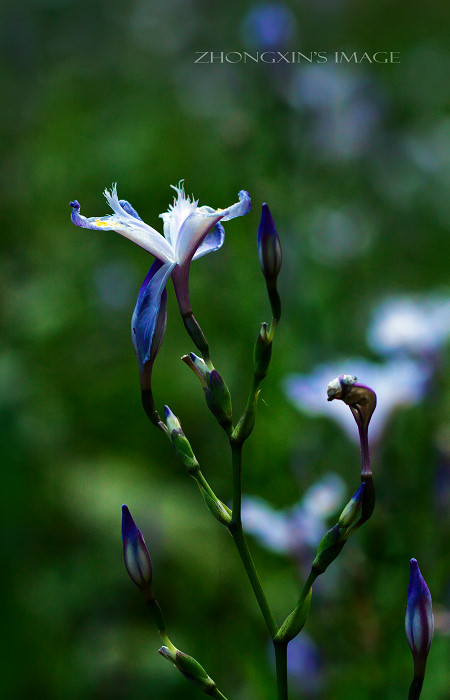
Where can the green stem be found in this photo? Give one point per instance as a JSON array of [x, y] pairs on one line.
[[309, 582], [236, 457], [237, 533], [281, 665], [158, 616]]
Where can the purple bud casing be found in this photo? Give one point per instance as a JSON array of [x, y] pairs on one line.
[[269, 247], [419, 623], [136, 557]]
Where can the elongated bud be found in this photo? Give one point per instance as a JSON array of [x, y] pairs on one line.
[[198, 367], [329, 548], [190, 668], [262, 352], [419, 623], [135, 553], [351, 510], [217, 395], [179, 440], [244, 428], [269, 253], [218, 399], [269, 247], [295, 622]]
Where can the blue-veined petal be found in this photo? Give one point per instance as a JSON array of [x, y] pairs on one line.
[[146, 311], [198, 224], [126, 206], [213, 241], [192, 233], [128, 225]]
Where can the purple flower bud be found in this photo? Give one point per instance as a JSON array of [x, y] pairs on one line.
[[136, 557], [269, 247], [419, 623]]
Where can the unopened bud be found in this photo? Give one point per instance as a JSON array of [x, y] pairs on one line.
[[135, 553], [419, 623], [215, 506], [179, 440], [197, 366], [351, 510], [269, 247], [218, 399], [295, 622], [217, 395], [244, 428], [262, 352], [190, 668]]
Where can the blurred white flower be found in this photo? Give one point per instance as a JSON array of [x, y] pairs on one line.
[[413, 324], [398, 382], [339, 234], [288, 531]]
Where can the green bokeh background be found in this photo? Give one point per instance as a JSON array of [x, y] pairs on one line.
[[100, 92]]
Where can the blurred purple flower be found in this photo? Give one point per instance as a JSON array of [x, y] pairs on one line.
[[289, 531], [269, 26], [339, 234], [305, 665], [343, 108], [398, 382], [418, 325]]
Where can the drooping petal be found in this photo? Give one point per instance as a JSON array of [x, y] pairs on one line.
[[128, 225], [146, 312], [213, 241], [240, 208]]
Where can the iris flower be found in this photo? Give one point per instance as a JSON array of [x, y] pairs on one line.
[[190, 232]]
